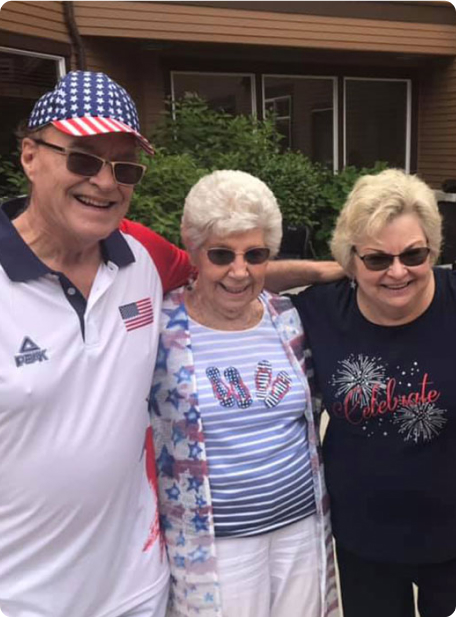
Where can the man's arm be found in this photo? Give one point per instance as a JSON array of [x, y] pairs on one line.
[[288, 273], [173, 263]]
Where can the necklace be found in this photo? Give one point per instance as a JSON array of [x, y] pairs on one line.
[[205, 314]]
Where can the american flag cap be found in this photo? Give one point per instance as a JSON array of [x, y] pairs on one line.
[[85, 103]]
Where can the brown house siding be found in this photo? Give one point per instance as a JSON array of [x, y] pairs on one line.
[[41, 19], [425, 11], [437, 126], [153, 20], [143, 72]]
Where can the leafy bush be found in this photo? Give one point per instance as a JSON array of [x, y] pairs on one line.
[[334, 190], [158, 201], [215, 139], [13, 181], [295, 182]]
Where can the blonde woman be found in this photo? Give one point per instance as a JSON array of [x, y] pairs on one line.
[[383, 351]]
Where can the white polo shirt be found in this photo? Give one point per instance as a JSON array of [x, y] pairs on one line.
[[78, 518]]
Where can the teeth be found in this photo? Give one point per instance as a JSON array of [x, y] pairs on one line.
[[235, 291], [94, 202]]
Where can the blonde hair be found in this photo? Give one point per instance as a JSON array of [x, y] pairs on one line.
[[374, 202], [227, 202]]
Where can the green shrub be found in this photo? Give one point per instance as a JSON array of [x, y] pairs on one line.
[[215, 139], [158, 200], [13, 181], [334, 190], [295, 182]]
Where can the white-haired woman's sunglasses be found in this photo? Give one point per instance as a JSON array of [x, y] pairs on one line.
[[224, 257]]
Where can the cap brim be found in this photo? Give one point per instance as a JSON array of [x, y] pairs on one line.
[[91, 125]]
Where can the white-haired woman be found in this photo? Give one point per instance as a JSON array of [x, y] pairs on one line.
[[383, 351], [242, 495]]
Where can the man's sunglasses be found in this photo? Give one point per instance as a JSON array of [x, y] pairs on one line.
[[89, 165], [224, 257], [383, 261]]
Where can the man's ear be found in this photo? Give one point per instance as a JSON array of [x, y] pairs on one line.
[[29, 152]]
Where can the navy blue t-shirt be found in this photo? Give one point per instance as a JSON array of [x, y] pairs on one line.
[[390, 446]]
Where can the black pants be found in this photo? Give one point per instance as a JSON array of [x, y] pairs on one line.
[[374, 589]]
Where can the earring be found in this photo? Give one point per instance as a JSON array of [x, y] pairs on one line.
[[353, 283], [190, 283]]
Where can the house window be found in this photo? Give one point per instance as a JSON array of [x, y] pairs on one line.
[[232, 93], [280, 107], [377, 121], [305, 109], [24, 77]]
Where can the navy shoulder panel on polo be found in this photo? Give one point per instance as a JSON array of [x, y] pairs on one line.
[[116, 249], [17, 259], [20, 262]]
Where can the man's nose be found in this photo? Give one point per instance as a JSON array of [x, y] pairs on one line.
[[105, 177]]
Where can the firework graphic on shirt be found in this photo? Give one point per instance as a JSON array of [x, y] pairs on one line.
[[420, 421], [358, 376]]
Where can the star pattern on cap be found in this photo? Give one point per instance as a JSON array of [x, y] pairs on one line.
[[83, 93]]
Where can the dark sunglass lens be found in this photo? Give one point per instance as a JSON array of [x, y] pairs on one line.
[[83, 164], [257, 256], [377, 261], [128, 173], [415, 257], [220, 257]]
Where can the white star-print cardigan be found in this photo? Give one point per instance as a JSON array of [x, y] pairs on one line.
[[182, 469]]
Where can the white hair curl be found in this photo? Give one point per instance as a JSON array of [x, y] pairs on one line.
[[228, 202]]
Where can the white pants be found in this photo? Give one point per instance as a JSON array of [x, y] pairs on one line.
[[272, 575], [154, 607]]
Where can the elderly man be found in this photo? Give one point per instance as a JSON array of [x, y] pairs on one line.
[[80, 289]]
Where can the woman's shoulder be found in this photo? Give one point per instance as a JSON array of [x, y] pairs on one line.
[[280, 305], [280, 302], [173, 298], [323, 296], [445, 282]]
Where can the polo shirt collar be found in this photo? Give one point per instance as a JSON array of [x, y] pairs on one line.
[[20, 262]]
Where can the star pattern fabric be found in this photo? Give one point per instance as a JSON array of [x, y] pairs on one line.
[[86, 103]]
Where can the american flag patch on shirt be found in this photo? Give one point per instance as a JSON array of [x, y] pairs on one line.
[[137, 314]]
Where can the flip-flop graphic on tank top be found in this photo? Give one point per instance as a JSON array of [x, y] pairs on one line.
[[279, 389], [239, 389], [263, 378], [221, 392], [237, 392]]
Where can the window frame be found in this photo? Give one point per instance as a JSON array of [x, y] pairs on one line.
[[408, 118], [335, 99], [251, 76], [60, 60], [289, 117]]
